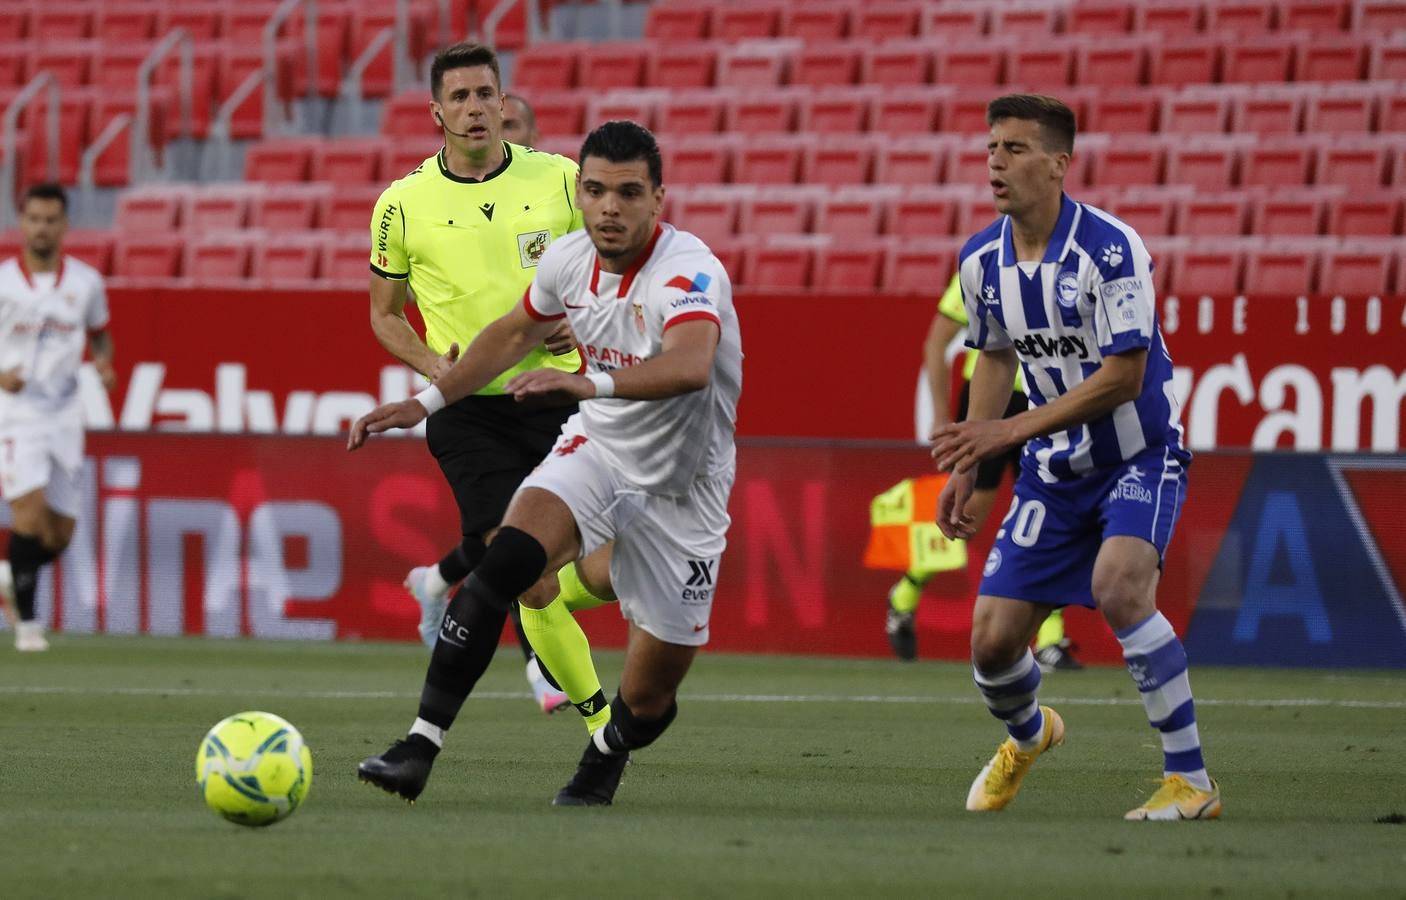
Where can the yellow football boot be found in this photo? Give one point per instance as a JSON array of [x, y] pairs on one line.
[[1178, 799], [999, 781]]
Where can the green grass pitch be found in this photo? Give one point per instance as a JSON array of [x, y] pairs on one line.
[[783, 777]]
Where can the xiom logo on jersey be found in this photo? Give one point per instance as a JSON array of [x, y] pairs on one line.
[[531, 246]]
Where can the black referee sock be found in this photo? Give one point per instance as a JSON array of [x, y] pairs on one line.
[[27, 557], [460, 561], [474, 622]]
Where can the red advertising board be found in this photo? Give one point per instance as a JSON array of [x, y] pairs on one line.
[[1258, 372]]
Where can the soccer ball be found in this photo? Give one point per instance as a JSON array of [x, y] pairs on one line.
[[253, 768]]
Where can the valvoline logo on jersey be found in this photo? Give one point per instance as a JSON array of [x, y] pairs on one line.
[[695, 285]]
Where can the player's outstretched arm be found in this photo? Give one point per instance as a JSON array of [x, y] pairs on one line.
[[684, 365]]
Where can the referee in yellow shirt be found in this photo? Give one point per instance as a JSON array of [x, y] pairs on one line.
[[464, 232]]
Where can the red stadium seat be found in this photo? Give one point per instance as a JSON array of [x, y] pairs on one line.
[[1313, 15], [1339, 59], [409, 112], [698, 161], [631, 105], [1214, 272], [850, 215], [546, 66], [729, 253], [777, 266], [1147, 215], [883, 21], [1388, 62], [557, 112], [1195, 112], [912, 162], [759, 64], [1262, 63], [618, 64], [146, 212], [217, 260], [346, 261], [918, 267], [826, 65], [966, 166], [350, 209], [1378, 16], [92, 247], [1127, 163], [767, 161], [69, 62], [345, 161], [1028, 20], [401, 157], [216, 209], [290, 208], [676, 22], [1184, 62], [14, 22], [736, 23], [849, 266], [279, 160], [1172, 19], [1254, 114], [1329, 113], [1242, 18], [1289, 215], [837, 163], [1365, 217], [1110, 63], [200, 20], [905, 112], [1275, 165], [710, 214], [944, 21], [124, 22], [1122, 113], [922, 211], [972, 65], [1099, 17], [147, 258], [1360, 166], [1209, 215], [1048, 65], [835, 112], [762, 112], [898, 64], [1354, 272], [815, 23], [975, 212], [1393, 113], [1280, 270], [61, 21], [75, 130], [965, 112], [687, 113], [1203, 164], [288, 262], [777, 211], [682, 67]]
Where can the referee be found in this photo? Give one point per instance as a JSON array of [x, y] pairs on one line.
[[464, 231]]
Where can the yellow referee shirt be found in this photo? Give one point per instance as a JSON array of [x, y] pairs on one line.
[[469, 247]]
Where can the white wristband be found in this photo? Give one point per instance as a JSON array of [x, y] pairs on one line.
[[431, 399], [605, 384]]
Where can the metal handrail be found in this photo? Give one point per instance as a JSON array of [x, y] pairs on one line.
[[143, 156], [10, 127], [444, 23], [89, 160], [400, 63], [272, 122], [220, 124], [351, 82]]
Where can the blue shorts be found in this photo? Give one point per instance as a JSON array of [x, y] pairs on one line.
[[1048, 542]]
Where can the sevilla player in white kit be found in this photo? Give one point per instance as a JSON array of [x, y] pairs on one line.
[[647, 464], [51, 307]]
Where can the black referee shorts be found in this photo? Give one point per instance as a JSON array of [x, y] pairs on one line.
[[989, 471], [486, 446]]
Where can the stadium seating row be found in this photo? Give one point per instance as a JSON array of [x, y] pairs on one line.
[[1224, 266], [1270, 109], [1055, 61], [694, 19]]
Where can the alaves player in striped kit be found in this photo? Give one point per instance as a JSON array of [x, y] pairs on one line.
[[1065, 290]]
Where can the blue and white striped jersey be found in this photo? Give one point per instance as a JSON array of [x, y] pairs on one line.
[[1091, 296]]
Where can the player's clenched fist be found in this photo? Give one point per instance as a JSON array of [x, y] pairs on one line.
[[405, 414]]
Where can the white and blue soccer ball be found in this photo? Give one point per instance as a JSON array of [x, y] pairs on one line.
[[253, 768]]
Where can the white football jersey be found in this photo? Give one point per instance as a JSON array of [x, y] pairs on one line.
[[620, 320], [44, 326]]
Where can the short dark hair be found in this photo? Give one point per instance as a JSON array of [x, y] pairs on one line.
[[1055, 119], [528, 112], [625, 141], [45, 190], [463, 55]]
